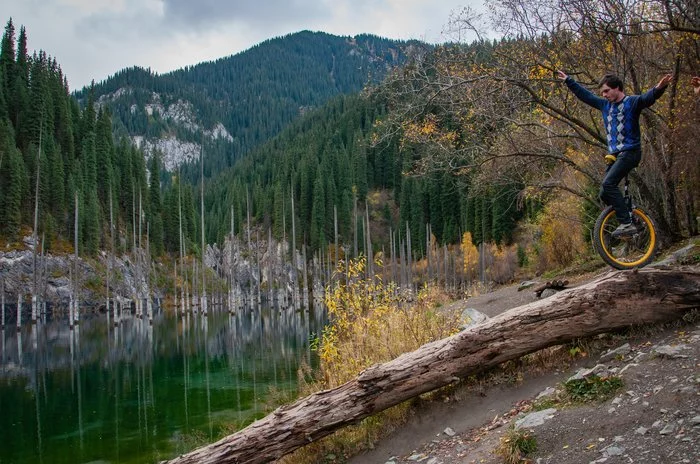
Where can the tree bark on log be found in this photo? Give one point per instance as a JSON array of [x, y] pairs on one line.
[[614, 300]]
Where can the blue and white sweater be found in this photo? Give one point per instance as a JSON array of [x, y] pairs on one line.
[[622, 118]]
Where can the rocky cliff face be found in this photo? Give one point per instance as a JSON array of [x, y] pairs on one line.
[[54, 275], [258, 268]]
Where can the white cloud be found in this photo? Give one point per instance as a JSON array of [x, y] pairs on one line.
[[93, 39]]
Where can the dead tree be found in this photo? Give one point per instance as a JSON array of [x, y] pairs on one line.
[[612, 301]]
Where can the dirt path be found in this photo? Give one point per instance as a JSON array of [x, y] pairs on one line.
[[655, 418], [469, 409]]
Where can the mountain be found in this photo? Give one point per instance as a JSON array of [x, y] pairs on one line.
[[287, 117], [286, 136], [233, 104]]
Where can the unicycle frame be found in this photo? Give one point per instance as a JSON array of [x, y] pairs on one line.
[[628, 252]]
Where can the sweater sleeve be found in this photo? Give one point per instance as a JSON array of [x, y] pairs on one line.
[[584, 94], [649, 97]]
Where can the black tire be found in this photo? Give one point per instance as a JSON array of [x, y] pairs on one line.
[[629, 252]]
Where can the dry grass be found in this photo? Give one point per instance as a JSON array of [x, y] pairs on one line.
[[515, 445], [370, 323]]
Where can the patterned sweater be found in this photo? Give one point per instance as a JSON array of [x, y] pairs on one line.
[[622, 118]]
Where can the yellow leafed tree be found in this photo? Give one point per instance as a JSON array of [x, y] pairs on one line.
[[471, 256]]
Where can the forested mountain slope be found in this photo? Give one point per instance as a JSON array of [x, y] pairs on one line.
[[233, 104]]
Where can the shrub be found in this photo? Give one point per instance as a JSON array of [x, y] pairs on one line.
[[562, 240], [515, 445], [370, 323], [593, 388]]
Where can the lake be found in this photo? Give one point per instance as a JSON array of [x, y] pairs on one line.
[[141, 392]]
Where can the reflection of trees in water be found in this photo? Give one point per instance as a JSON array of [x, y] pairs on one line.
[[114, 386], [250, 333]]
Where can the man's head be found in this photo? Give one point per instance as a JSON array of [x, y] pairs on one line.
[[611, 88]]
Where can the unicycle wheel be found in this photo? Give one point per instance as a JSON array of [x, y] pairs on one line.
[[626, 252]]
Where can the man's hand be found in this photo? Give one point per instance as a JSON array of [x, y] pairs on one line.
[[561, 75], [664, 81], [695, 82]]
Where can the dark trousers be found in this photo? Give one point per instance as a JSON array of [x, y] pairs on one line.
[[609, 191]]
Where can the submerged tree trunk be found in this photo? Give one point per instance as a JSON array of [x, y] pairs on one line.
[[615, 300]]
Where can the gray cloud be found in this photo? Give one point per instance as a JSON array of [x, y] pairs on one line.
[[92, 39], [196, 13]]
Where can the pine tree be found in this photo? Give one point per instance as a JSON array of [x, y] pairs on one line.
[[3, 101], [171, 220], [155, 206], [279, 209], [14, 182], [19, 101], [104, 148], [92, 218], [189, 217], [40, 113], [435, 203], [486, 218], [7, 62], [418, 205], [503, 214], [307, 171], [55, 178], [318, 213], [89, 208], [359, 174], [477, 214]]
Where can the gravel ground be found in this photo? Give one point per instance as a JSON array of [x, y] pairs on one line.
[[653, 418]]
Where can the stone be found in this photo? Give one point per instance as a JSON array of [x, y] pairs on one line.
[[471, 317], [526, 284], [613, 451], [549, 391], [612, 354], [547, 292], [667, 430], [535, 418], [671, 351], [600, 370], [628, 366]]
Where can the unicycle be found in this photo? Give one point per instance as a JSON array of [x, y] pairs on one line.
[[629, 251]]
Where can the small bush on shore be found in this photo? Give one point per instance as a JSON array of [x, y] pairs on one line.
[[370, 323]]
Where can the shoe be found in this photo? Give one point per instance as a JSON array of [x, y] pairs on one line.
[[624, 230]]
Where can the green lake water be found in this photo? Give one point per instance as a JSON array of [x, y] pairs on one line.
[[141, 393]]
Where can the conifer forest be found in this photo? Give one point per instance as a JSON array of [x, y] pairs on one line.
[[261, 189], [398, 148]]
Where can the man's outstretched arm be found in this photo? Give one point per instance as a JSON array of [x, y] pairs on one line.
[[581, 92], [648, 98]]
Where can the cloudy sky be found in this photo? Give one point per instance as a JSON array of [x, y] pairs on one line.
[[92, 39]]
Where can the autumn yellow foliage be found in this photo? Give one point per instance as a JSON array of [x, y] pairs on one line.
[[562, 241], [471, 256], [372, 322]]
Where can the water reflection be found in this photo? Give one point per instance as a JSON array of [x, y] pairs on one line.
[[142, 392]]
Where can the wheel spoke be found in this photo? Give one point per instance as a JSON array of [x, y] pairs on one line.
[[625, 252]]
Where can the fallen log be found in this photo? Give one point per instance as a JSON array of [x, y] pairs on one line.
[[614, 300]]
